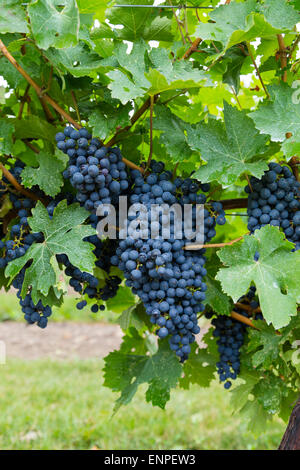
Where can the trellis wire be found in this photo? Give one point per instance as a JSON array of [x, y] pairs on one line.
[[178, 7]]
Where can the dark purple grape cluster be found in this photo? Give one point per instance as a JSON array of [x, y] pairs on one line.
[[88, 284], [230, 335], [275, 200], [96, 172], [168, 279], [18, 239], [33, 313]]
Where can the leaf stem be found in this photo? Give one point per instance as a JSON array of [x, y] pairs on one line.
[[196, 246], [257, 71], [283, 56]]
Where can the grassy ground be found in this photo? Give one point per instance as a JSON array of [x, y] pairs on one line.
[[62, 405]]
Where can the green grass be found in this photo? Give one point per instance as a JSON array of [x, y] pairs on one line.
[[62, 405], [11, 310]]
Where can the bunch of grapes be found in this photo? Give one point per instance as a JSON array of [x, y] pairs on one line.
[[274, 200], [230, 334], [33, 313], [96, 172], [18, 239], [167, 278], [88, 284]]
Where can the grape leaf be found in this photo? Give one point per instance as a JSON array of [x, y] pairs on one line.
[[167, 75], [229, 148], [276, 274], [139, 22], [63, 234], [270, 392], [105, 122], [216, 298], [124, 299], [173, 136], [152, 72], [240, 394], [6, 131], [245, 21], [12, 17], [77, 60], [125, 372], [265, 343], [291, 146], [53, 26], [280, 116], [33, 127], [123, 88], [214, 295], [199, 369], [93, 6], [256, 416], [134, 316], [48, 175]]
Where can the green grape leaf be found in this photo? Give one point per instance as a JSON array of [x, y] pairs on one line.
[[236, 59], [166, 75], [291, 146], [238, 22], [48, 175], [279, 116], [79, 61], [256, 417], [216, 298], [106, 122], [33, 127], [54, 24], [125, 371], [12, 17], [123, 88], [199, 369], [6, 131], [152, 72], [173, 136], [230, 148], [240, 394], [134, 316], [276, 274], [270, 392], [265, 343], [139, 22], [93, 6], [63, 234], [124, 299]]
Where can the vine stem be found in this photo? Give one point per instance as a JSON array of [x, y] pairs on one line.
[[257, 71], [19, 187], [191, 49], [213, 245], [24, 98], [283, 56], [294, 162], [151, 130], [178, 24], [36, 87]]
